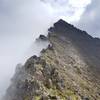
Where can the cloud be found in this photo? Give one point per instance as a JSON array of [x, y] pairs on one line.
[[69, 10], [18, 17], [90, 19], [21, 22]]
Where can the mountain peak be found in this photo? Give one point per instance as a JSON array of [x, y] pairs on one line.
[[61, 25], [63, 28], [62, 22]]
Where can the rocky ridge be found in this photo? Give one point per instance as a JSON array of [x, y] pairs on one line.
[[67, 70]]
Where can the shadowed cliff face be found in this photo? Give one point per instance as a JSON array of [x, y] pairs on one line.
[[88, 46], [66, 70]]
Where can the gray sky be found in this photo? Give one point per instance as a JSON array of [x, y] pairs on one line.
[[89, 21], [21, 22]]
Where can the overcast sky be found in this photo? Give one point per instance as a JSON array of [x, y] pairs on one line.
[[21, 22], [89, 21]]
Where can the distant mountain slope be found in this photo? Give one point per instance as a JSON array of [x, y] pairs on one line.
[[69, 69]]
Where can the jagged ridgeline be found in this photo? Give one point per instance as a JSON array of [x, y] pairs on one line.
[[69, 69]]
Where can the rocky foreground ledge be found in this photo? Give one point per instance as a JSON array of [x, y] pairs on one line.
[[63, 71]]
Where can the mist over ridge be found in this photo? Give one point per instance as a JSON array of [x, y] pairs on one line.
[[21, 22]]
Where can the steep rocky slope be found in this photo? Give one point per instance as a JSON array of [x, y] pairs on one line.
[[69, 69]]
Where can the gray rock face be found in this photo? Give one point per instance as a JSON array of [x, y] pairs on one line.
[[67, 70]]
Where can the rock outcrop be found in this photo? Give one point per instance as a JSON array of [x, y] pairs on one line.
[[69, 69]]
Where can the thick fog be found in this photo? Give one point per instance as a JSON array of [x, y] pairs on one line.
[[22, 21], [89, 21]]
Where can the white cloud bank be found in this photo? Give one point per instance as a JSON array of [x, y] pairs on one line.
[[90, 20], [69, 10]]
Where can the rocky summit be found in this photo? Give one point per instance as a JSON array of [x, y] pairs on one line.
[[68, 69]]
